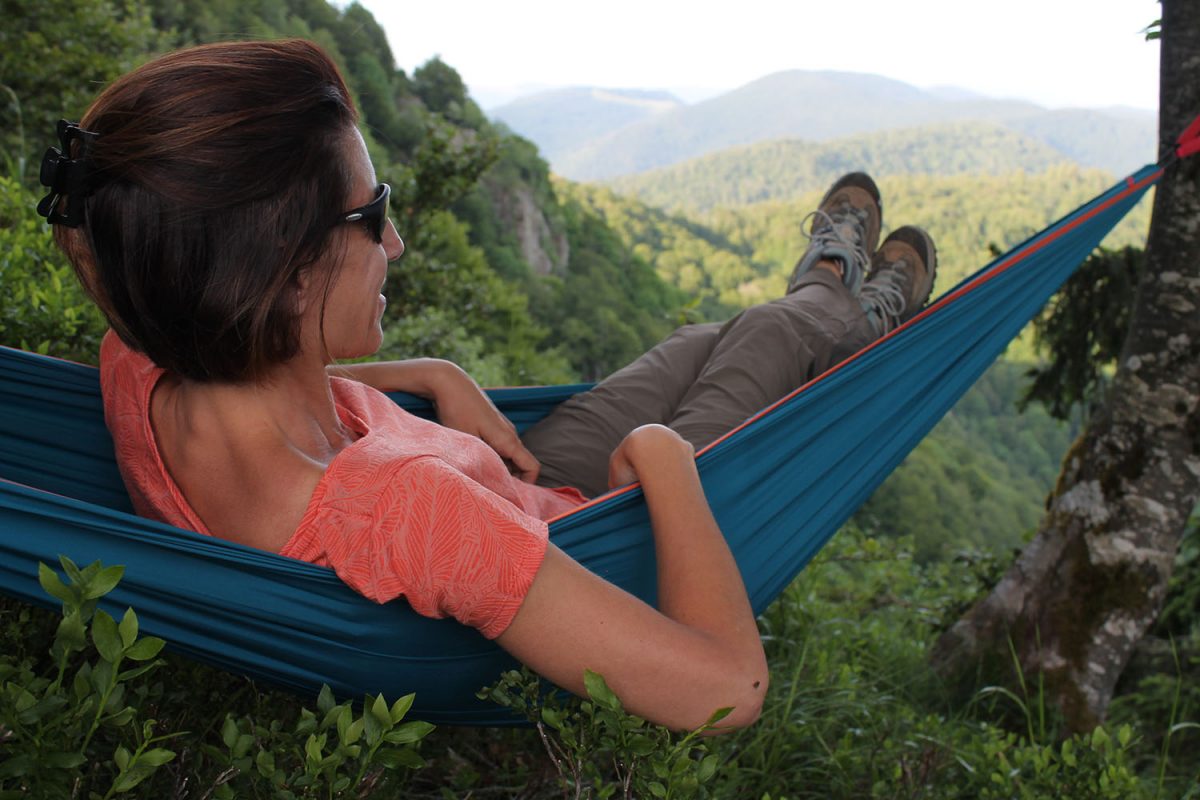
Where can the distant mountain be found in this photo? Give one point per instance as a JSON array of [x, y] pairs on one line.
[[783, 169], [817, 107], [561, 120]]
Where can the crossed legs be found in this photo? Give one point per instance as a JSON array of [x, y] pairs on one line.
[[703, 380]]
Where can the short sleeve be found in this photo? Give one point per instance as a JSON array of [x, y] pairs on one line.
[[448, 545]]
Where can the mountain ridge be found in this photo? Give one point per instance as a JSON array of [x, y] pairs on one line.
[[815, 105]]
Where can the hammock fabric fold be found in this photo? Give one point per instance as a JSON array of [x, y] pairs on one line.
[[780, 486]]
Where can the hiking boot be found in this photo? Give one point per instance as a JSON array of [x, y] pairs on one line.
[[901, 279], [845, 228]]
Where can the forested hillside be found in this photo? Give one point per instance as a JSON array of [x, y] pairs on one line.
[[738, 254], [784, 169]]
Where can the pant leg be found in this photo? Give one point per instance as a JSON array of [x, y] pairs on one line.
[[768, 351], [573, 443]]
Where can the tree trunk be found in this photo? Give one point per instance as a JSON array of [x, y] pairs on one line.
[[1093, 580]]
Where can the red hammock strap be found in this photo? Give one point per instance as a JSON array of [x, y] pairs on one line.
[[1189, 140]]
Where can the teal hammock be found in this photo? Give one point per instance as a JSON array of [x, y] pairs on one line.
[[780, 485]]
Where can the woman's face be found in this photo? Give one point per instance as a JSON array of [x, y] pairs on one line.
[[353, 308]]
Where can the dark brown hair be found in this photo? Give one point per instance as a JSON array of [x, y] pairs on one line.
[[222, 174]]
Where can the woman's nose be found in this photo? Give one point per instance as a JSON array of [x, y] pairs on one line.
[[393, 245]]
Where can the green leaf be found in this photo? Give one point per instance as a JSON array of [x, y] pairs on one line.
[[71, 635], [657, 789], [122, 717], [379, 709], [242, 746], [121, 757], [552, 717], [718, 715], [145, 649], [401, 707], [25, 699], [62, 760], [156, 757], [372, 728], [72, 570], [106, 637], [115, 699], [331, 717], [353, 732], [128, 628], [54, 586], [307, 723], [393, 759], [708, 768], [264, 762], [409, 732], [80, 683], [325, 700], [229, 731], [597, 689], [313, 747], [104, 582], [343, 724], [16, 766], [127, 780], [130, 674]]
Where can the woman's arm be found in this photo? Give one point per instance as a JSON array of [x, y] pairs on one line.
[[676, 665], [419, 376], [459, 402]]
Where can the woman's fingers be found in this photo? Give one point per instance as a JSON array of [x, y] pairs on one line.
[[525, 464], [501, 435], [620, 471]]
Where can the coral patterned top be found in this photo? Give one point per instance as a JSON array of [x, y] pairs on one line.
[[409, 509]]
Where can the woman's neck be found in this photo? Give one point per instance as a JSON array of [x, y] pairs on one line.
[[293, 406]]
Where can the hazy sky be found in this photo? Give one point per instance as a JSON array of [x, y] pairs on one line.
[[1054, 52]]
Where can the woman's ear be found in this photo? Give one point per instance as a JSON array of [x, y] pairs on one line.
[[301, 288]]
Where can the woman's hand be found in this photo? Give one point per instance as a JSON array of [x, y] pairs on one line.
[[462, 405], [459, 401], [641, 447]]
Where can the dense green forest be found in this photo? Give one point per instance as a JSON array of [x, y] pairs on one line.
[[525, 278], [782, 169], [737, 254]]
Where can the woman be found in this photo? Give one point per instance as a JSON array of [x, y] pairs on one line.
[[220, 206]]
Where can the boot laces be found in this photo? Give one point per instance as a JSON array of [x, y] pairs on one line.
[[847, 229], [885, 294]]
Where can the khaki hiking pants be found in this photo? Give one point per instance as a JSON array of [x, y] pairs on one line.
[[703, 380]]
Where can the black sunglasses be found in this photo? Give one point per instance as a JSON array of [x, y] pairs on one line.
[[374, 214]]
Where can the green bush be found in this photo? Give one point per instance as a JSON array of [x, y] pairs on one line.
[[75, 729], [84, 719], [600, 750], [42, 306]]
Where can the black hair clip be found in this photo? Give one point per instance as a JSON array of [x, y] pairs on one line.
[[64, 175]]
